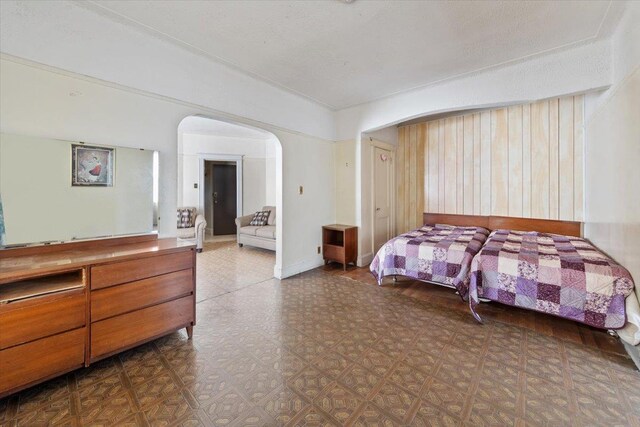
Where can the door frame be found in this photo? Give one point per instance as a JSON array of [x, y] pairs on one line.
[[206, 157], [374, 143]]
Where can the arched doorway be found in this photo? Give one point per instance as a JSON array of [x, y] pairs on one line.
[[229, 171]]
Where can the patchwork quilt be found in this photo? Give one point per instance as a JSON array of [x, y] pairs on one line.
[[564, 276], [435, 253]]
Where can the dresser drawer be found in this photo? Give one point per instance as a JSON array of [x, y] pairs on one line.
[[127, 330], [103, 276], [29, 319], [33, 362], [115, 300]]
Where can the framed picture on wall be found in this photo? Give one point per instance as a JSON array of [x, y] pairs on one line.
[[92, 166]]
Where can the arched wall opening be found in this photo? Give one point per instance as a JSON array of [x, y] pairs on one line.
[[385, 136], [205, 141], [482, 161]]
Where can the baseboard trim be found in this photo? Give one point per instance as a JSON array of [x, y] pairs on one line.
[[365, 259], [299, 267], [634, 352]]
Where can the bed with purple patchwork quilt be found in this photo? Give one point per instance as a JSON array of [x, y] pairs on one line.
[[560, 275], [434, 253]]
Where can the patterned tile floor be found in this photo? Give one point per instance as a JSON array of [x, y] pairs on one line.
[[324, 349]]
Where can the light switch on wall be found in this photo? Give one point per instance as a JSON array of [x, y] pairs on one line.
[[301, 190], [195, 185]]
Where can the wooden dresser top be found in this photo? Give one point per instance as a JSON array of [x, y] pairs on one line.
[[38, 263]]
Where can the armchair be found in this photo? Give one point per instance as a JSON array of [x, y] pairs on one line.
[[195, 233]]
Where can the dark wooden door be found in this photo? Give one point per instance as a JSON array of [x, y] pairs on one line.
[[224, 199]]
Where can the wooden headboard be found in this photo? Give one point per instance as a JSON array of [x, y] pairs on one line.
[[567, 228]]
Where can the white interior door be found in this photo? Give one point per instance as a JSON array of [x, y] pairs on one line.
[[382, 187]]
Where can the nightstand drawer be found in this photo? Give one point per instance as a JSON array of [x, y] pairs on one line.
[[333, 252]]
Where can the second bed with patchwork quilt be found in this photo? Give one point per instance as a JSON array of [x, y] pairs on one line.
[[433, 253], [560, 275]]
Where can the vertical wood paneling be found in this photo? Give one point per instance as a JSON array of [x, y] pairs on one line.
[[522, 161], [407, 178], [526, 161], [441, 171], [499, 162], [421, 158], [515, 160], [468, 165], [476, 164], [554, 172], [400, 173], [540, 159], [459, 164], [432, 169], [578, 157], [413, 178], [450, 174], [565, 158], [485, 162]]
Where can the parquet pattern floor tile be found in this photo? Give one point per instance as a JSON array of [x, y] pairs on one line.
[[327, 348]]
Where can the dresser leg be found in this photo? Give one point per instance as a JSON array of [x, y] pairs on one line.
[[190, 331]]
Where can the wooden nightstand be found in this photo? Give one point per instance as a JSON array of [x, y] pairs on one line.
[[340, 244]]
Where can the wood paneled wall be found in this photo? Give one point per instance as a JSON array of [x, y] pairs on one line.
[[520, 161]]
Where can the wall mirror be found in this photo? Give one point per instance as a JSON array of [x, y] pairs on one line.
[[54, 191]]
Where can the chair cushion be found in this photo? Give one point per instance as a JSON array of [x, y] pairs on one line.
[[260, 218], [272, 215], [249, 230], [268, 231], [187, 233], [186, 217]]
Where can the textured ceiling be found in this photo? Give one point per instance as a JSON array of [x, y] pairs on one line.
[[341, 54]]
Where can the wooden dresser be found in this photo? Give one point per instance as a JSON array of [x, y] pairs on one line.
[[65, 306]]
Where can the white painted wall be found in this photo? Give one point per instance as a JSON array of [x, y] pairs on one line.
[[388, 135], [254, 191], [576, 70], [612, 156], [345, 155], [66, 35], [259, 181], [270, 186], [35, 183], [581, 69], [308, 162], [35, 101], [270, 181]]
